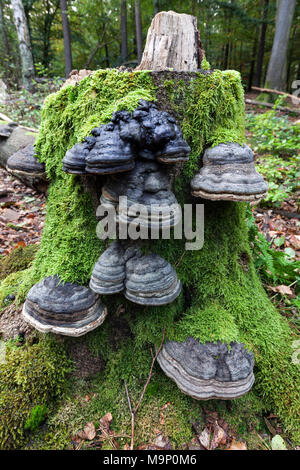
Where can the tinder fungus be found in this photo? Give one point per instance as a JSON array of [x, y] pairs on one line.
[[150, 280], [110, 154], [109, 272], [149, 200], [210, 370], [63, 308], [228, 173], [24, 162], [6, 129], [75, 159]]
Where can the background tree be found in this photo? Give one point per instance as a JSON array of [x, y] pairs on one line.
[[24, 43], [277, 68], [67, 36]]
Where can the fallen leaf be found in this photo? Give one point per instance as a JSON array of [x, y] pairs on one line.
[[270, 427], [162, 442], [219, 437], [105, 422], [90, 431], [283, 290], [277, 443], [204, 438], [237, 445]]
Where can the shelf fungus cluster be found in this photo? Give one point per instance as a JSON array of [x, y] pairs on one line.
[[147, 133], [144, 279], [25, 162], [210, 370], [228, 174]]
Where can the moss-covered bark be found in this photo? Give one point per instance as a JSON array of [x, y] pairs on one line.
[[222, 297]]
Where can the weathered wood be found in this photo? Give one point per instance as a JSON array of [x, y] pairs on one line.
[[270, 105], [173, 42]]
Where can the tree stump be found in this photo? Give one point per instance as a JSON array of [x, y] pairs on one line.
[[173, 42], [222, 302]]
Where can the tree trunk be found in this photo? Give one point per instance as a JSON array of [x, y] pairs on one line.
[[251, 73], [124, 41], [276, 74], [261, 47], [4, 32], [67, 36], [138, 29], [24, 43]]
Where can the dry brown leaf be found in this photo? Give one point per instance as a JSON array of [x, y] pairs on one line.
[[90, 431], [105, 422], [237, 445], [204, 438], [283, 290], [219, 437]]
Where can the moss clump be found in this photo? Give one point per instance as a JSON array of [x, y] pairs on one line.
[[18, 260], [31, 376], [222, 296]]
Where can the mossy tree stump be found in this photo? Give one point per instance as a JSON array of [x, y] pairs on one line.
[[222, 299]]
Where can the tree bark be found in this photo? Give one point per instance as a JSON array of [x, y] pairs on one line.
[[24, 43], [4, 32], [276, 74], [261, 47], [67, 36], [124, 40], [173, 41], [138, 29]]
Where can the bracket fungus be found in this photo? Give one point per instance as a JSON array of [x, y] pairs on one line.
[[7, 129], [144, 279], [75, 159], [63, 308], [228, 174], [109, 272], [24, 162], [149, 200], [210, 370], [150, 280]]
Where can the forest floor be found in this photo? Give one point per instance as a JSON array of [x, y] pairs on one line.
[[22, 215]]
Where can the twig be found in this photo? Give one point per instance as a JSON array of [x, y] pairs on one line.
[[133, 413], [269, 105], [277, 92]]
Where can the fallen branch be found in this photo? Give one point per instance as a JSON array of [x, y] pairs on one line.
[[277, 92], [134, 412], [270, 105]]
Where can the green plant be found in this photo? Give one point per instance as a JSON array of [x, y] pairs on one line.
[[273, 265], [276, 140], [36, 418]]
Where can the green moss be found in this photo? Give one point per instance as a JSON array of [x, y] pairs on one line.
[[30, 377], [18, 260], [222, 297]]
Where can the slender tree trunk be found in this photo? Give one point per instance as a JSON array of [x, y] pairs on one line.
[[4, 32], [251, 73], [107, 56], [276, 74], [24, 43], [124, 40], [67, 36], [261, 47], [138, 28]]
